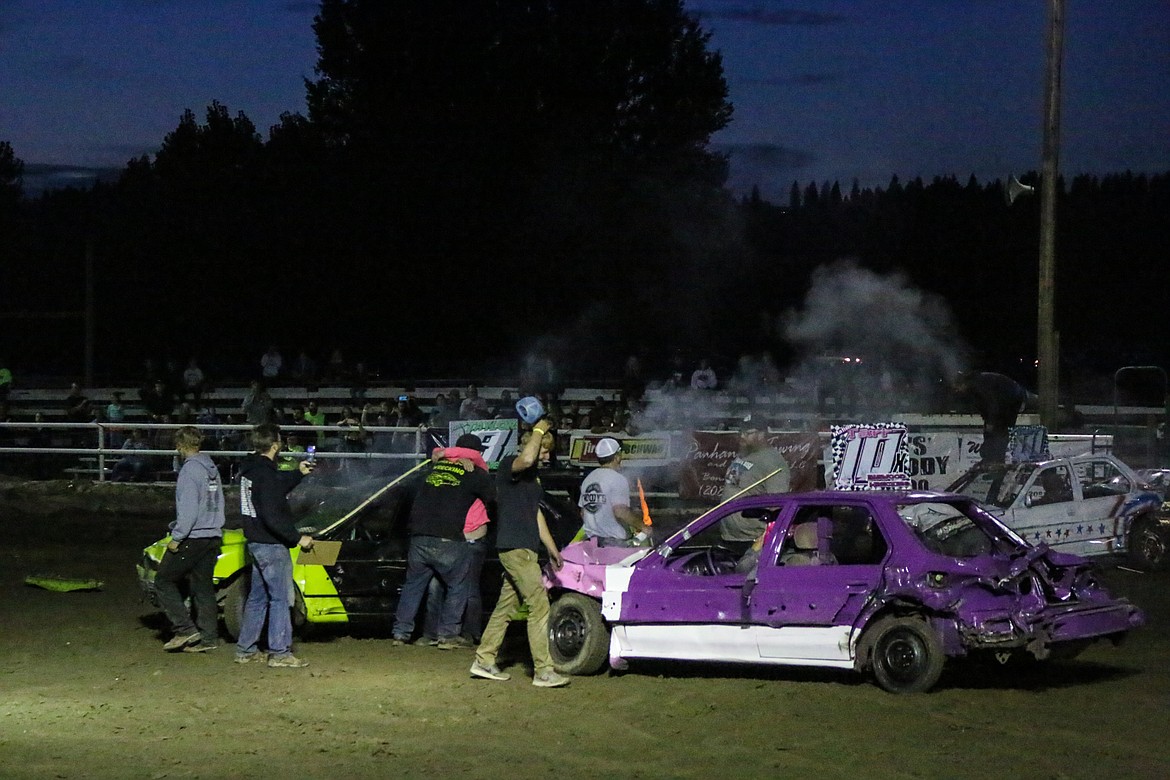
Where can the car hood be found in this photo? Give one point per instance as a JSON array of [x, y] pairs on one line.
[[585, 564]]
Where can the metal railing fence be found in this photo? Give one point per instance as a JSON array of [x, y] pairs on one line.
[[102, 442]]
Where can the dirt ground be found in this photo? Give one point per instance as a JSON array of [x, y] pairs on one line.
[[86, 691]]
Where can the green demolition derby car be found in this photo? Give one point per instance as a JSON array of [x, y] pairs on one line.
[[363, 585]]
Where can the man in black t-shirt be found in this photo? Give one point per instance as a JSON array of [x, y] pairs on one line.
[[521, 529], [998, 399], [437, 546]]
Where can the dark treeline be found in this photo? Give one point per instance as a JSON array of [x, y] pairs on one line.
[[476, 182]]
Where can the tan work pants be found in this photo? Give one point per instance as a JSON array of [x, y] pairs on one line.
[[522, 583]]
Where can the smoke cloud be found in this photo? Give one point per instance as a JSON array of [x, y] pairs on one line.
[[870, 347], [904, 339]]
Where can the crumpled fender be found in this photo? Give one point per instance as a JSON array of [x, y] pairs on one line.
[[585, 564], [984, 606]]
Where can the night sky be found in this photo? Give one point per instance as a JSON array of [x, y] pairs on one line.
[[822, 90]]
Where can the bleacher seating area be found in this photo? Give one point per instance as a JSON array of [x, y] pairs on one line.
[[25, 404]]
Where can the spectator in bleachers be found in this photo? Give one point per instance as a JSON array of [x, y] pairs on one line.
[[194, 382], [444, 412], [78, 409], [473, 407], [296, 417], [378, 415], [505, 408], [77, 406], [158, 400], [286, 461], [234, 438], [257, 404], [271, 365], [353, 438], [132, 467], [115, 415], [576, 413], [314, 416], [703, 377], [407, 413], [207, 415], [185, 414], [600, 409]]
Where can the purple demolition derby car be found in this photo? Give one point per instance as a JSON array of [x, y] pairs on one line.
[[888, 583]]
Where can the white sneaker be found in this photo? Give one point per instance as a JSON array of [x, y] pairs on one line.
[[550, 679], [489, 672]]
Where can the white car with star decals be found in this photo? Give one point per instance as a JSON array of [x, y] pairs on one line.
[[1088, 505]]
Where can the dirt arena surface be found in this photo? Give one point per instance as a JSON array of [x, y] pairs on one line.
[[86, 691]]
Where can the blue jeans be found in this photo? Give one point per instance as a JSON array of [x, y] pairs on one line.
[[429, 556], [271, 595], [473, 613]]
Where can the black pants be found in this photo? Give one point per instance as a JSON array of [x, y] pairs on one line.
[[194, 563]]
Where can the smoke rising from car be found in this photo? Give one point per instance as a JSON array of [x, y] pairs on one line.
[[876, 342], [870, 347]]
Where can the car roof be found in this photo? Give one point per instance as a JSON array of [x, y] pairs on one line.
[[831, 496]]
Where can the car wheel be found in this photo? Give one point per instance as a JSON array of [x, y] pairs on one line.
[[1147, 544], [233, 605], [578, 638], [904, 654]]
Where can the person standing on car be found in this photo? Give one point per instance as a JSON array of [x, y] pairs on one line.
[[521, 530], [999, 400], [437, 544], [758, 468], [271, 531], [605, 500], [196, 533]]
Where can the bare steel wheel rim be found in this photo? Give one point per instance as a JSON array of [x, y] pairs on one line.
[[1151, 545], [568, 633], [902, 655]]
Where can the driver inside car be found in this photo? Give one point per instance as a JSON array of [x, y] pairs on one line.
[[749, 562]]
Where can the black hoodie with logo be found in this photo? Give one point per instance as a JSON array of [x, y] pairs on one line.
[[264, 489]]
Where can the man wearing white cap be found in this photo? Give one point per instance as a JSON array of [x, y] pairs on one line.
[[605, 498]]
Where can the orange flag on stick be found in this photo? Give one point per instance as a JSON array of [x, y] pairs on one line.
[[645, 508]]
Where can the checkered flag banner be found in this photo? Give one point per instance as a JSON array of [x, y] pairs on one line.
[[869, 457]]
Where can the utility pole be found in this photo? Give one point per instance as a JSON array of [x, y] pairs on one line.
[[90, 313], [1047, 338]]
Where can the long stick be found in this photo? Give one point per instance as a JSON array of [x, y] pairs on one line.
[[380, 491], [737, 495]]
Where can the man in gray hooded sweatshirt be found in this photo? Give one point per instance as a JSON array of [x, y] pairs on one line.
[[196, 534]]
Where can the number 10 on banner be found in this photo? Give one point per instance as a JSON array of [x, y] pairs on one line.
[[869, 457]]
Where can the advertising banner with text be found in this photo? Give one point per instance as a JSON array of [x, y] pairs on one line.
[[709, 453]]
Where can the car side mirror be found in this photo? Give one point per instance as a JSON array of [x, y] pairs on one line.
[[1028, 501]]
